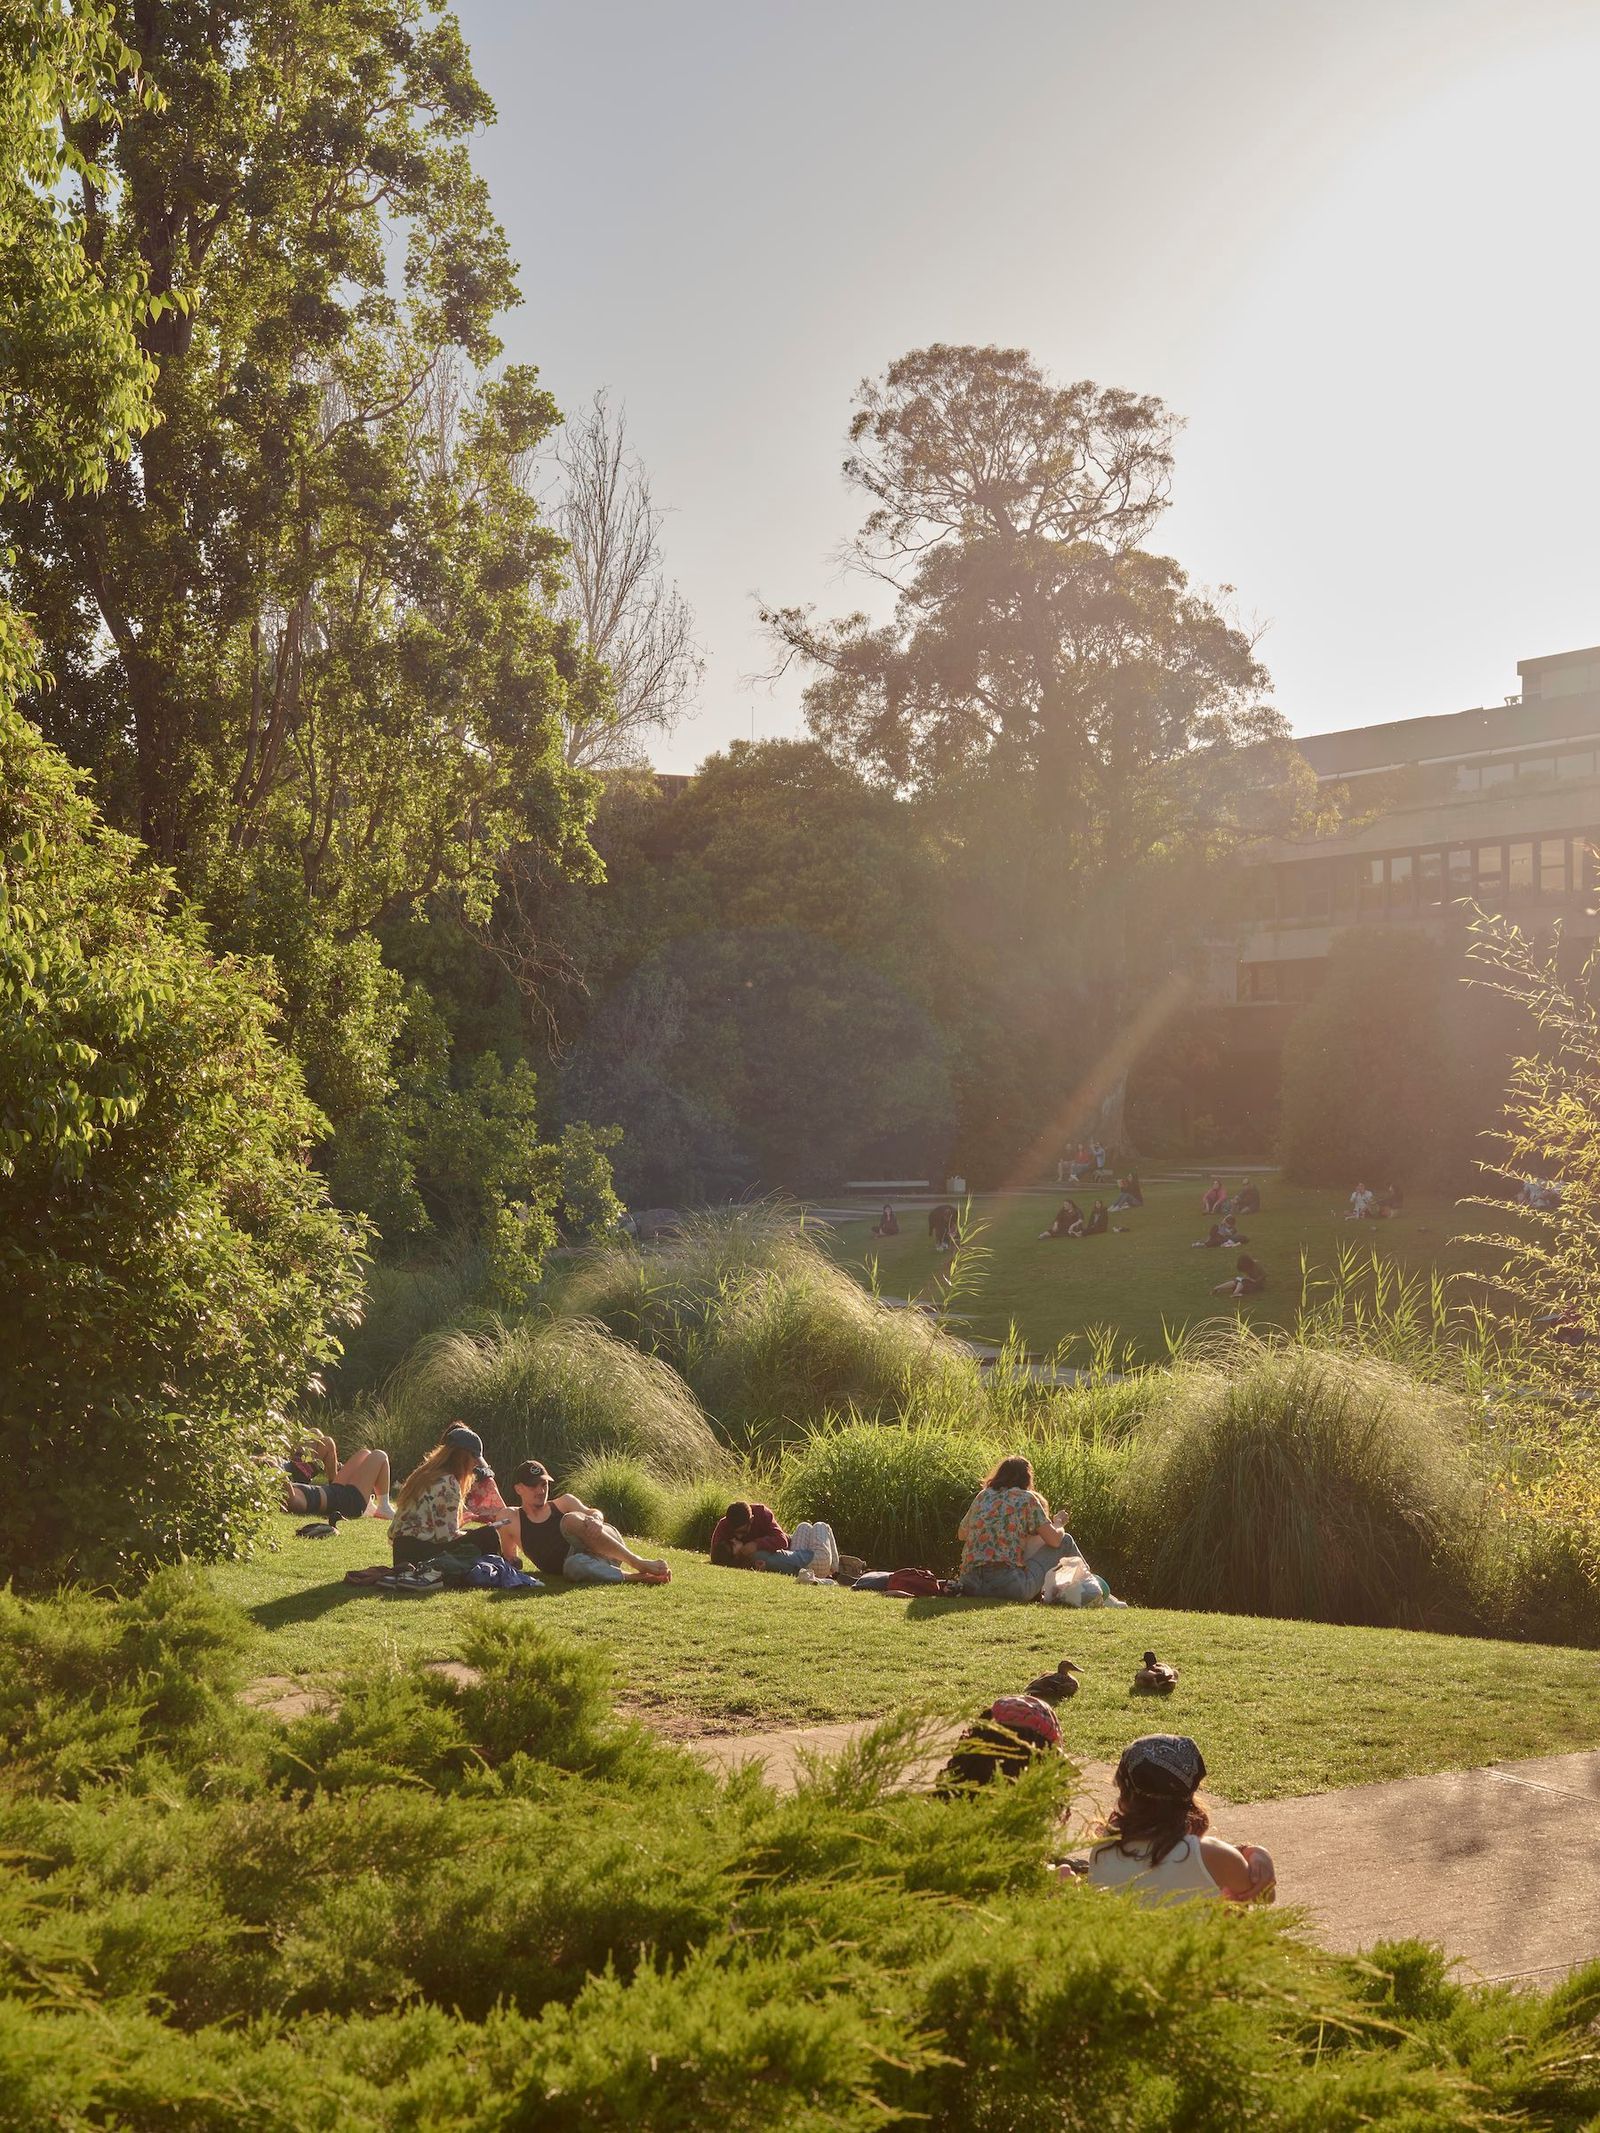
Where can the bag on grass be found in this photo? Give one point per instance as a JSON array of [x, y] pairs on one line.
[[1071, 1583], [873, 1581], [914, 1585]]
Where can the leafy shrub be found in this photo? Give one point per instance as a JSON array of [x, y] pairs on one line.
[[1282, 1479], [170, 1264], [698, 1505], [562, 1390], [632, 1498]]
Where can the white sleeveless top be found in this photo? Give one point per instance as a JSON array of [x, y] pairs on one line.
[[1182, 1877]]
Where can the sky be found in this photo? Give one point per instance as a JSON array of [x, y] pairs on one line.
[[1353, 246]]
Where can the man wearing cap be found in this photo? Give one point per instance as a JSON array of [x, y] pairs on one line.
[[564, 1537]]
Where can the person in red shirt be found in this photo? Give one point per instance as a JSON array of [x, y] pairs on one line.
[[748, 1537]]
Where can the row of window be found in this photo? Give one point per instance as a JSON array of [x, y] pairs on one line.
[[1398, 883], [1482, 777]]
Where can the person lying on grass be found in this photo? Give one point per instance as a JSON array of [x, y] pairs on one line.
[[428, 1515], [1249, 1278], [349, 1487], [748, 1537], [1157, 1844], [1009, 1539], [565, 1537]]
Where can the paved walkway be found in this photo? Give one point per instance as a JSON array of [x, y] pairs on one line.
[[1500, 1865]]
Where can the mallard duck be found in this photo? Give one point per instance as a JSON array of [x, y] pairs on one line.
[[1058, 1684], [1155, 1677]]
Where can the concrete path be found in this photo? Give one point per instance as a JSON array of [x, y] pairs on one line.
[[1501, 1865]]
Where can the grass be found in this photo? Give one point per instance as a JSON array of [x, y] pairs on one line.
[[1147, 1280], [1279, 1708]]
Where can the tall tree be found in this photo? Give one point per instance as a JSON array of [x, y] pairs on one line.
[[630, 614]]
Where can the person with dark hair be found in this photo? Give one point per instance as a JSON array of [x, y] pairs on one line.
[[1130, 1193], [1002, 1743], [748, 1537], [1156, 1837], [1247, 1200], [1008, 1538], [348, 1486], [1214, 1198], [943, 1226], [567, 1538], [429, 1504], [1068, 1216], [1097, 1222], [1390, 1203], [887, 1224], [1249, 1278]]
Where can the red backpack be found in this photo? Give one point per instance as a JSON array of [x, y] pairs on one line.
[[915, 1585]]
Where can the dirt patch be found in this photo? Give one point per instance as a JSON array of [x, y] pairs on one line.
[[281, 1697]]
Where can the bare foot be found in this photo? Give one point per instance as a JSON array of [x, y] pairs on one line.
[[656, 1573]]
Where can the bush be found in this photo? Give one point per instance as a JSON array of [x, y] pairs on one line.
[[770, 1334], [1282, 1479], [170, 1264], [561, 1390], [506, 1906], [697, 1507], [632, 1498], [400, 1306]]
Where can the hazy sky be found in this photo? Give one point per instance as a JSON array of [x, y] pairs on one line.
[[1353, 245]]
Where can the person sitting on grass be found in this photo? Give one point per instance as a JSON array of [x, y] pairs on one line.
[[1249, 1278], [1129, 1193], [1390, 1203], [349, 1488], [428, 1509], [1157, 1844], [1009, 1539], [1067, 1214], [887, 1224], [564, 1537], [1004, 1742], [943, 1222], [1247, 1200], [1214, 1198], [748, 1537], [1096, 1222], [1363, 1206], [1221, 1236]]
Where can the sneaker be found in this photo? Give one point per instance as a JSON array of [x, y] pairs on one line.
[[805, 1577], [416, 1578]]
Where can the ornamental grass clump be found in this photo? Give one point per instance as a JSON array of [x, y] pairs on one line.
[[1277, 1478], [562, 1390], [633, 1499]]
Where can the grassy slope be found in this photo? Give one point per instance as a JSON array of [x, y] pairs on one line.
[[1054, 1291], [1278, 1707]]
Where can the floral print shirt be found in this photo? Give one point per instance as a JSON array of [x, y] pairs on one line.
[[435, 1516], [1000, 1524]]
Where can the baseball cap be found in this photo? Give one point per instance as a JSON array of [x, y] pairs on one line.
[[461, 1439], [531, 1473]]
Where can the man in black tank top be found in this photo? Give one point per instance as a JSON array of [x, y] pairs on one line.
[[567, 1538]]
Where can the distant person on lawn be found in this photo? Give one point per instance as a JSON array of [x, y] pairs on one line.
[[1157, 1846], [1221, 1236], [1130, 1193], [1008, 1538], [1214, 1198], [943, 1222], [748, 1537], [564, 1537], [1390, 1202], [1247, 1200], [1067, 1214], [887, 1224], [1249, 1278], [429, 1504], [1098, 1152], [1097, 1221], [1363, 1205], [348, 1487]]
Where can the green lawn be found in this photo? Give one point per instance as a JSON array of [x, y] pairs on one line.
[[1278, 1707], [1135, 1282]]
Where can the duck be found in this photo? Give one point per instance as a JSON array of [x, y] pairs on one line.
[[1154, 1677], [1058, 1685]]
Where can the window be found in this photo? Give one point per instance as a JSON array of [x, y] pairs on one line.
[[1402, 883], [1430, 880], [1344, 886], [1575, 766], [1519, 868], [1318, 888], [1498, 773], [1458, 864], [1369, 885], [1552, 866], [1468, 777], [1291, 892], [1258, 981], [1537, 766], [1583, 866], [1491, 869]]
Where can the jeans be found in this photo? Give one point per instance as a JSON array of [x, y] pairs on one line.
[[1015, 1581], [786, 1561], [591, 1570]]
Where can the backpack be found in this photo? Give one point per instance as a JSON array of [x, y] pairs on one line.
[[914, 1585]]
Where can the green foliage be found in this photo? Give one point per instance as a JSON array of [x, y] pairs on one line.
[[1282, 1479], [634, 1500], [562, 1390], [697, 1505], [502, 1902], [171, 1266]]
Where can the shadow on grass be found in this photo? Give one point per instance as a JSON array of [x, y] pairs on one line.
[[307, 1606]]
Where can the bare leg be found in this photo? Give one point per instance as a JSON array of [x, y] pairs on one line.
[[589, 1536], [368, 1472]]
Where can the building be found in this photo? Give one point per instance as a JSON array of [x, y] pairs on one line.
[[1500, 804]]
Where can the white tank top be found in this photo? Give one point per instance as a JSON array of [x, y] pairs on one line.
[[1182, 1877]]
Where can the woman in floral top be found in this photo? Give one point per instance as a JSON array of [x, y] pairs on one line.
[[427, 1520], [1008, 1538]]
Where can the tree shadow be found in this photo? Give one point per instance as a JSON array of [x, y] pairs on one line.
[[308, 1605]]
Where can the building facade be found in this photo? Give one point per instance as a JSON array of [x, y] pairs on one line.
[[1498, 804]]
